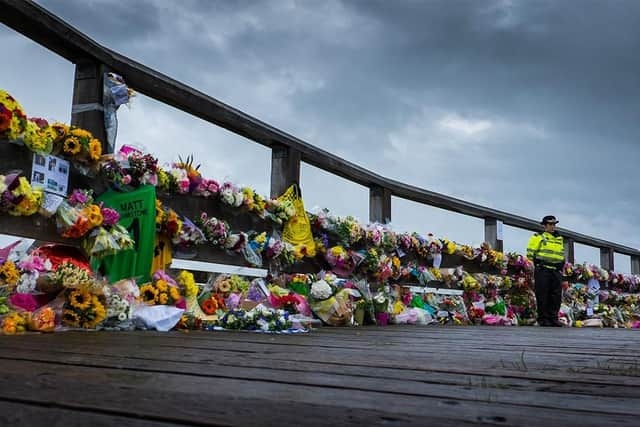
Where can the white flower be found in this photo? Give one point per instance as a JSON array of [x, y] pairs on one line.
[[320, 290], [227, 196], [27, 283], [122, 317]]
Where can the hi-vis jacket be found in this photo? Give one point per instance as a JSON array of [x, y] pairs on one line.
[[546, 249]]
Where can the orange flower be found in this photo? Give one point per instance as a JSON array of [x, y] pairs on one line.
[[209, 306]]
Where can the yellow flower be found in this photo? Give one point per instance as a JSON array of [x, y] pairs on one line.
[[70, 318], [174, 293], [163, 298], [185, 278], [10, 273], [149, 294], [72, 145], [224, 286], [94, 215], [95, 149], [162, 285], [81, 133], [80, 299]]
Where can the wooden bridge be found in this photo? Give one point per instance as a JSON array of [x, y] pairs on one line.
[[367, 376], [92, 60]]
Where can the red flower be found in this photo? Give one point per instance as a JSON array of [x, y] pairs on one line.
[[5, 118], [209, 306]]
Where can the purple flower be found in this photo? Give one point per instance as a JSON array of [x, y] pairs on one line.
[[110, 216], [77, 198]]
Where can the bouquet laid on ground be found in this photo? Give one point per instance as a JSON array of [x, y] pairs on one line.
[[82, 308], [258, 319], [163, 290]]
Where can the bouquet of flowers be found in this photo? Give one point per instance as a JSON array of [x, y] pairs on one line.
[[39, 136], [206, 188], [279, 211], [82, 309], [163, 290], [17, 197], [109, 238], [13, 120], [258, 319], [76, 216], [215, 230], [231, 195], [130, 168], [188, 238], [168, 223], [9, 274], [184, 178], [70, 275], [77, 145], [15, 323]]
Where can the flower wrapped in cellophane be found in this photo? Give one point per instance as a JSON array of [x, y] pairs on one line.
[[83, 308], [130, 168], [189, 237], [215, 230]]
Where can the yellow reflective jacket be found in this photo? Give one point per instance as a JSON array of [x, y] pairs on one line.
[[546, 249]]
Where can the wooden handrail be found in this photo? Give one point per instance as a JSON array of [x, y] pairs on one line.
[[50, 31]]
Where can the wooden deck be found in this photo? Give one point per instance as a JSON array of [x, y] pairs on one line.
[[403, 375]]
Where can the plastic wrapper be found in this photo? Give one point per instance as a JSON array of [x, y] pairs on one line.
[[100, 243], [334, 311], [43, 319], [159, 317]]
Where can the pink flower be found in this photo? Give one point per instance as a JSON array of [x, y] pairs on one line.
[[77, 198], [110, 216], [24, 301], [126, 179]]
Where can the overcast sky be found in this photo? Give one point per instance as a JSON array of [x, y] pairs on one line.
[[528, 107]]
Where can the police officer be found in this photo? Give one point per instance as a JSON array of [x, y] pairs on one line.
[[546, 250]]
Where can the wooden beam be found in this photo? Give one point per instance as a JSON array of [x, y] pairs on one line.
[[285, 169], [606, 258], [635, 264], [379, 204], [491, 234], [87, 111], [569, 250]]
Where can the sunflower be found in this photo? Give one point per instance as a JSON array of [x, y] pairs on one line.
[[81, 133], [163, 298], [72, 145], [10, 273], [94, 215], [70, 317], [209, 306], [80, 299], [149, 293], [95, 149]]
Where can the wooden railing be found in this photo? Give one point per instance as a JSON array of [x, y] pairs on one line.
[[288, 152]]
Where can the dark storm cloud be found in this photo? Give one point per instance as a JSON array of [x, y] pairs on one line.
[[530, 107]]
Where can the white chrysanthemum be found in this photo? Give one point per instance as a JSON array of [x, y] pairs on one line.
[[320, 290]]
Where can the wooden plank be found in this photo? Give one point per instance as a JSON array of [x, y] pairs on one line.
[[635, 264], [87, 112], [379, 204], [491, 234], [569, 250], [285, 169], [183, 395], [45, 28], [544, 396], [607, 258], [36, 414]]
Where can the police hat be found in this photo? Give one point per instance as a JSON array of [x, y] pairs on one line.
[[549, 219]]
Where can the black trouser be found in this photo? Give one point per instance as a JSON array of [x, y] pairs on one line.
[[548, 284]]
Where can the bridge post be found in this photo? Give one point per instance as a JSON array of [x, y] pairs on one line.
[[606, 258], [493, 233], [379, 204], [285, 169], [635, 264], [87, 111], [569, 250]]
